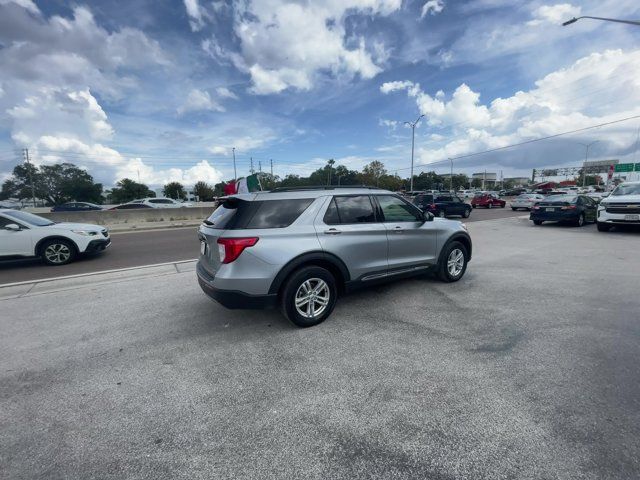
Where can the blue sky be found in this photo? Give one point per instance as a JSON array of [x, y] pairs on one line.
[[163, 90]]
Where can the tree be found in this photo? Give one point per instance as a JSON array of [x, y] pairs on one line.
[[174, 190], [127, 190], [344, 176], [56, 184], [204, 191], [293, 180], [428, 181], [372, 172]]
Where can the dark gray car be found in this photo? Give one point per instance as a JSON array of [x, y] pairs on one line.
[[301, 248]]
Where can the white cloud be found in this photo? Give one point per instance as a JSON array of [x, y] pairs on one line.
[[555, 14], [224, 92], [243, 143], [199, 100], [392, 124], [26, 4], [432, 7], [135, 168], [562, 100], [59, 112], [286, 45], [197, 14]]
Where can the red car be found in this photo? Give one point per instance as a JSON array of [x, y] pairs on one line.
[[488, 200]]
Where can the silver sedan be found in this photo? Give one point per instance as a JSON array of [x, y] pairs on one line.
[[526, 201]]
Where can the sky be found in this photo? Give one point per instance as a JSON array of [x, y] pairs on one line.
[[163, 91]]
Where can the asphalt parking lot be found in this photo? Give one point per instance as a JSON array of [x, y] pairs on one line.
[[525, 369]]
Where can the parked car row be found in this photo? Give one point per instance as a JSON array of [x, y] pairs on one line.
[[621, 207]]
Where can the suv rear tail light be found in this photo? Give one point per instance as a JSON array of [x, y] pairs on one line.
[[230, 248]]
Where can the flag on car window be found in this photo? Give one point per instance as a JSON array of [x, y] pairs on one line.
[[243, 185]]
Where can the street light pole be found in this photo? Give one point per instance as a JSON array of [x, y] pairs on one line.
[[451, 177], [413, 142], [586, 157], [628, 22], [235, 174]]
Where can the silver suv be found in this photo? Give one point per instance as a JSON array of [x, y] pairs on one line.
[[301, 248]]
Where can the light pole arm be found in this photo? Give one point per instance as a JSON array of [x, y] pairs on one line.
[[574, 20]]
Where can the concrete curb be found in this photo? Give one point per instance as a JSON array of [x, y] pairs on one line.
[[70, 282]]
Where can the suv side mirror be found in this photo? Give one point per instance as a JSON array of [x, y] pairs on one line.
[[12, 227], [428, 216]]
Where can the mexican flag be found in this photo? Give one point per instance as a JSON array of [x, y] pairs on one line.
[[243, 185]]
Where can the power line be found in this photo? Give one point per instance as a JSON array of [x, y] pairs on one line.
[[526, 142]]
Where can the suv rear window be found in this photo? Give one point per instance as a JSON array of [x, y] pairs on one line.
[[235, 214]]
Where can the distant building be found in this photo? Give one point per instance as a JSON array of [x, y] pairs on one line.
[[488, 179]]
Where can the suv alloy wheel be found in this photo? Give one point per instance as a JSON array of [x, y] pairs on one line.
[[309, 296]]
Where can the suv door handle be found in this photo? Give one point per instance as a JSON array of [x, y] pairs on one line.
[[398, 230], [332, 231]]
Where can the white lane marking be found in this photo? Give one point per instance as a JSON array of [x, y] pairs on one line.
[[88, 274]]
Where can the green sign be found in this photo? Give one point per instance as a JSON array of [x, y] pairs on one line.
[[625, 167]]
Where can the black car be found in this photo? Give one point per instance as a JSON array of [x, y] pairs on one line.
[[442, 205], [76, 207], [575, 209], [130, 206]]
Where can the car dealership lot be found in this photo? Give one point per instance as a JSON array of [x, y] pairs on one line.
[[526, 368]]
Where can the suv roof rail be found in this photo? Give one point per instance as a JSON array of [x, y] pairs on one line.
[[320, 187]]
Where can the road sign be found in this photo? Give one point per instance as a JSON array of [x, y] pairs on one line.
[[624, 167]]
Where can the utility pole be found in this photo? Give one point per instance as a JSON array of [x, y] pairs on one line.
[[33, 189], [260, 165], [451, 177], [586, 157], [251, 169], [235, 174], [501, 181], [413, 142], [484, 178], [271, 162]]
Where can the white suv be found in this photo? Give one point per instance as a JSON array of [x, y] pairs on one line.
[[155, 202], [622, 207], [24, 234]]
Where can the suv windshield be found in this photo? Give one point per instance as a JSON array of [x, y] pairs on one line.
[[631, 189], [29, 218]]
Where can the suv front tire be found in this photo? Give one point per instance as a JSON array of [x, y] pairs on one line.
[[453, 262], [309, 296]]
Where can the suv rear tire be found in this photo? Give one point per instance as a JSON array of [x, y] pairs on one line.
[[307, 290], [452, 265]]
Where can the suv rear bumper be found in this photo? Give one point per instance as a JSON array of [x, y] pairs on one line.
[[233, 299]]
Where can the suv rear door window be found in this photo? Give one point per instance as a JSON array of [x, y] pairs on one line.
[[235, 214], [351, 209]]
